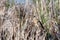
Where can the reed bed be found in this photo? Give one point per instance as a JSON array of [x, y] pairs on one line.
[[36, 20]]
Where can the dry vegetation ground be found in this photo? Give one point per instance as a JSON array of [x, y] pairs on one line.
[[37, 21]]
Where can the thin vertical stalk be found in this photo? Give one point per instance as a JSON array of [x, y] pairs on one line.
[[59, 4], [38, 9], [43, 11], [51, 9]]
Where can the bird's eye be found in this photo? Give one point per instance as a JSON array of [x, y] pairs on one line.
[[34, 16]]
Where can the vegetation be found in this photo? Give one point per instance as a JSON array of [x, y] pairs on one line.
[[36, 20]]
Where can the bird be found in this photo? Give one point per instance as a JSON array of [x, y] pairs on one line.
[[37, 22]]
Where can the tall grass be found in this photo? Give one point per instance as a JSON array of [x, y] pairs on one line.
[[38, 20]]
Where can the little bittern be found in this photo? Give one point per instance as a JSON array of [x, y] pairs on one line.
[[37, 22]]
